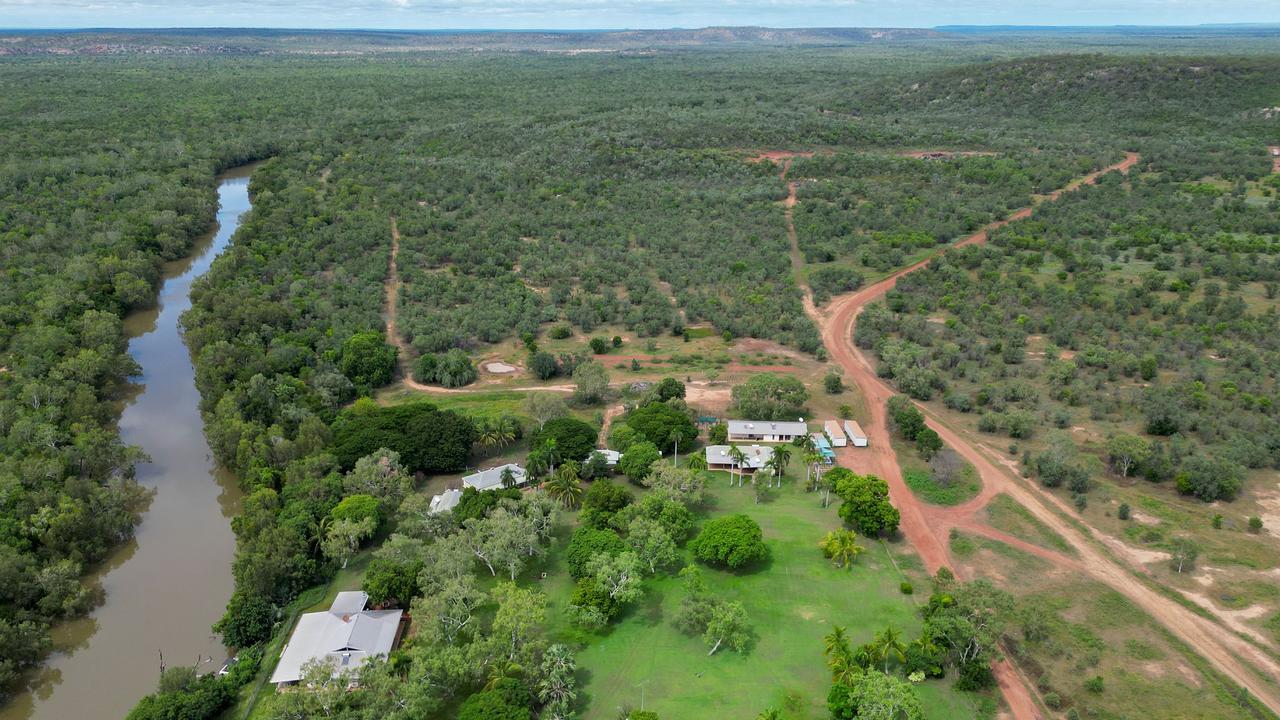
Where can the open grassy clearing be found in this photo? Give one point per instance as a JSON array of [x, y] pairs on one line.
[[1004, 513], [1072, 631], [793, 601]]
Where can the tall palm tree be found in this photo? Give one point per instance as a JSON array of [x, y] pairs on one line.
[[825, 486], [812, 460], [889, 646], [778, 462], [674, 437], [563, 486], [552, 453], [739, 459], [508, 477], [535, 466]]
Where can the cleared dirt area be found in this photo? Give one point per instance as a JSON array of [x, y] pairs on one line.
[[783, 156], [392, 291], [927, 527], [947, 154], [1274, 152]]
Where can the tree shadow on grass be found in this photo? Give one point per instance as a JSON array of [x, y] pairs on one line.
[[763, 565], [648, 610], [582, 678]]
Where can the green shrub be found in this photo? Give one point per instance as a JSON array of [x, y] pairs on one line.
[[587, 542], [906, 588], [574, 438], [357, 507], [732, 541]]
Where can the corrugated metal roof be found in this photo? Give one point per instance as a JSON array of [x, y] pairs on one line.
[[445, 501], [756, 455], [767, 427], [344, 638], [491, 478]]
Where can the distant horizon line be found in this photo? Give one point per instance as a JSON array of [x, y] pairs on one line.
[[949, 26]]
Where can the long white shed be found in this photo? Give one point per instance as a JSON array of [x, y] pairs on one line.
[[834, 432], [855, 433]]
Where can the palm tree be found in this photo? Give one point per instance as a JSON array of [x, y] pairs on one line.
[[888, 646], [825, 486], [842, 547], [675, 440], [739, 459], [508, 477], [926, 649], [839, 656], [778, 462], [812, 460], [563, 486], [697, 462], [552, 453], [502, 669], [769, 714], [835, 642], [805, 442], [535, 466], [489, 436], [510, 428]]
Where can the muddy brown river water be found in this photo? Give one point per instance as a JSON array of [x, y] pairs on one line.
[[165, 588]]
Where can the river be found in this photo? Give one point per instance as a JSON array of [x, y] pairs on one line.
[[171, 582]]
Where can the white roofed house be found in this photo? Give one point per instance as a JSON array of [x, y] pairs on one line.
[[345, 636], [445, 501], [766, 430], [611, 457], [491, 478], [756, 457]]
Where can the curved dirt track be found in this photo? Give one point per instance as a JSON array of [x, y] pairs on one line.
[[928, 528]]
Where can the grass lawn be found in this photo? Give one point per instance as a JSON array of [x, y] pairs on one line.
[[792, 601]]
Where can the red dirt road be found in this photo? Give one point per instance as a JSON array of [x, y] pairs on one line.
[[928, 528]]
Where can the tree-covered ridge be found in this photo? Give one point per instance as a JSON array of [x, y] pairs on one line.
[[1147, 90]]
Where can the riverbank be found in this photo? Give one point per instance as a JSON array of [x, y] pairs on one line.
[[165, 587]]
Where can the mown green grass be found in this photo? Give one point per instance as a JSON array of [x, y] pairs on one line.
[[480, 405], [793, 601]]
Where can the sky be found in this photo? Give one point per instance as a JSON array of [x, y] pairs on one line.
[[602, 14]]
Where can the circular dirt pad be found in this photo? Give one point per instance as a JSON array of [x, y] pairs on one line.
[[499, 368]]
